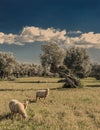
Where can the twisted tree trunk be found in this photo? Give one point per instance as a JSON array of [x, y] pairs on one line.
[[70, 80]]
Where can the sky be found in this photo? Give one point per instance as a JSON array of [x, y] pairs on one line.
[[26, 24]]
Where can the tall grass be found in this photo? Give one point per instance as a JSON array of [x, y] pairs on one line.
[[63, 109]]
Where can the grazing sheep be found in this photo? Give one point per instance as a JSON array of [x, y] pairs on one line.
[[18, 107], [42, 93]]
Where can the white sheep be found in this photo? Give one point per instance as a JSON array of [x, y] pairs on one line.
[[18, 107], [42, 93]]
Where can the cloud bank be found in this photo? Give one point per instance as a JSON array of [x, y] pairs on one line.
[[32, 34], [87, 40]]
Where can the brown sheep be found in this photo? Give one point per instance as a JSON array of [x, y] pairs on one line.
[[42, 93], [18, 107]]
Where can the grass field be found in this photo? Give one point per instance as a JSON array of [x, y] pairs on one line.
[[63, 109]]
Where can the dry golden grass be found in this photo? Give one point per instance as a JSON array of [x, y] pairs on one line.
[[63, 109]]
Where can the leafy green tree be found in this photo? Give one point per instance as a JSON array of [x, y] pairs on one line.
[[27, 70], [52, 56], [95, 72], [78, 60], [7, 64]]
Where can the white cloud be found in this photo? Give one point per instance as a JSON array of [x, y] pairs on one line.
[[7, 38], [87, 40], [75, 32], [91, 37], [32, 34]]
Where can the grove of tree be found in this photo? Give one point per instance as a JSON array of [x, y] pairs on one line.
[[78, 60]]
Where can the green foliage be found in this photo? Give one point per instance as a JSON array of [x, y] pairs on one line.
[[77, 59], [7, 64], [52, 56], [95, 72]]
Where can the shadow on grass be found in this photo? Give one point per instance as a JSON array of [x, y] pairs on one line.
[[30, 89], [2, 89], [93, 85], [61, 88], [5, 116], [33, 82], [31, 101]]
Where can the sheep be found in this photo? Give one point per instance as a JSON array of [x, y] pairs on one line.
[[18, 107], [42, 94]]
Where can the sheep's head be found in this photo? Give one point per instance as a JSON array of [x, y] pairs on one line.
[[24, 115]]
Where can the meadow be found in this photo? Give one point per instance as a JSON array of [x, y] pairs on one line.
[[63, 109]]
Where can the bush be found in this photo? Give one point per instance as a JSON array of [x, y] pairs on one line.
[[11, 78]]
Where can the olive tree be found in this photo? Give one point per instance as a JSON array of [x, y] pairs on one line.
[[7, 64], [95, 72], [52, 56], [78, 60]]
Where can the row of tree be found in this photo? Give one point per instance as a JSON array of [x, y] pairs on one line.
[[74, 60], [9, 67]]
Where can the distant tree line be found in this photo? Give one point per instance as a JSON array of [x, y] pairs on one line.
[[55, 62], [11, 68]]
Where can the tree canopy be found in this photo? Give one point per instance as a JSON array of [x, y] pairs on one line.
[[7, 64], [52, 56], [78, 60]]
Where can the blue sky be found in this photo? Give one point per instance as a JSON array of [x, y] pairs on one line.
[[32, 22]]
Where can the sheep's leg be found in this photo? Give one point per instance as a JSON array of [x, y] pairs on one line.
[[44, 100], [17, 115], [40, 99], [36, 98], [20, 117], [12, 115]]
